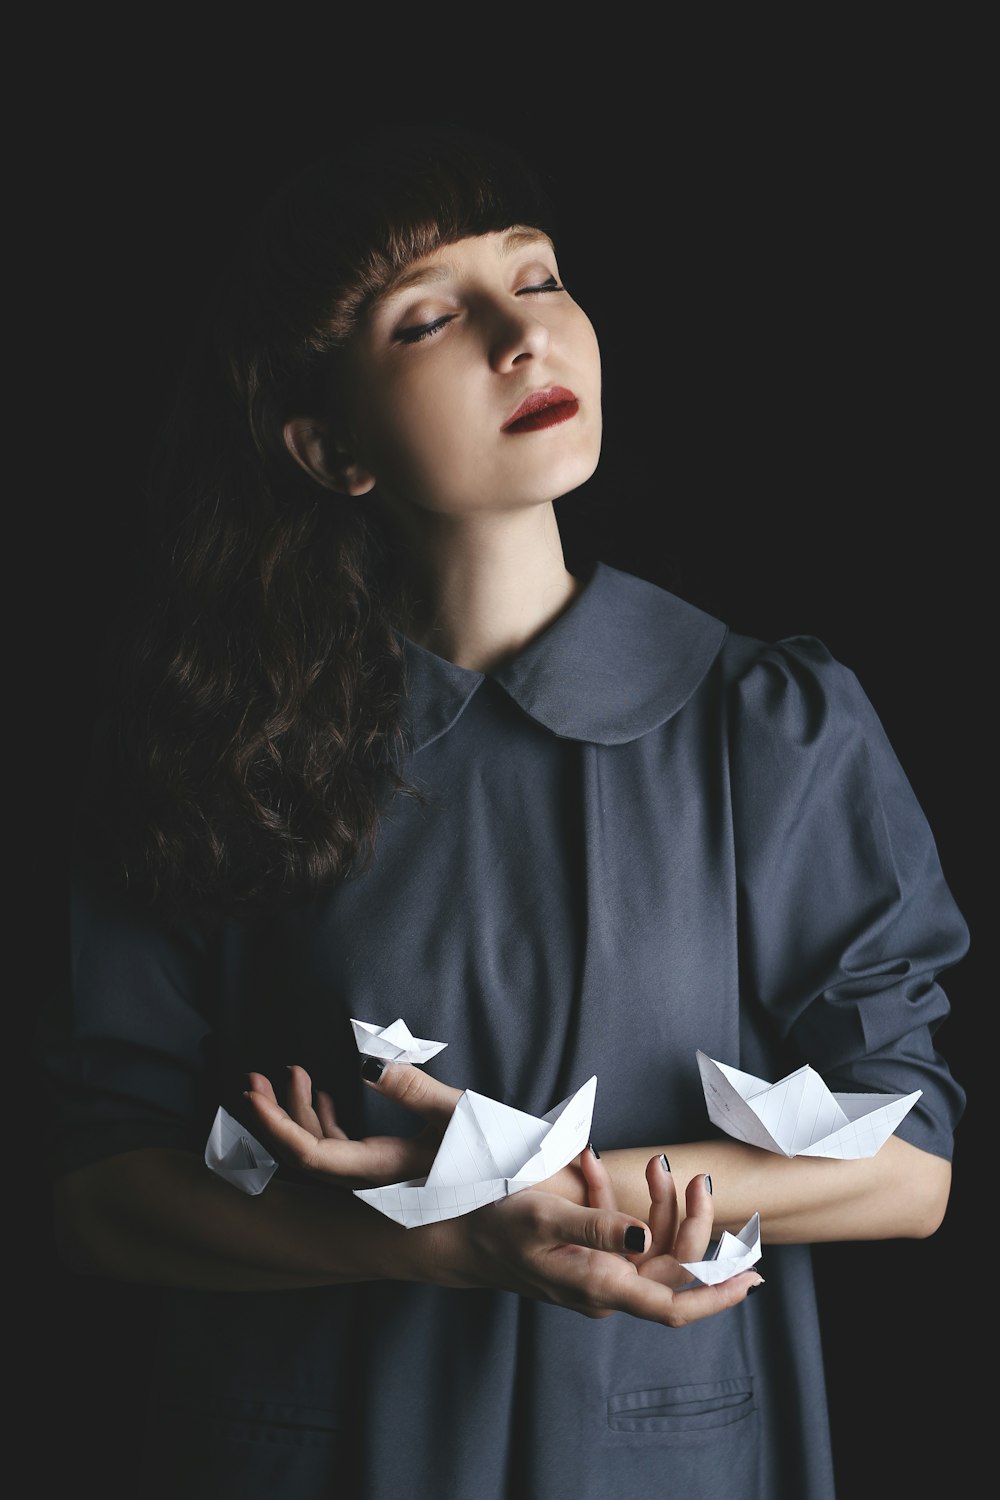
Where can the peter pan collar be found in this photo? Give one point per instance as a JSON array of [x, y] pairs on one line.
[[622, 659]]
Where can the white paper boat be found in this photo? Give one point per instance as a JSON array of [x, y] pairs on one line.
[[488, 1150], [798, 1115], [733, 1253], [394, 1043], [233, 1153]]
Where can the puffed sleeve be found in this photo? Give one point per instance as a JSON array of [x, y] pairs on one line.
[[846, 917], [124, 1046]]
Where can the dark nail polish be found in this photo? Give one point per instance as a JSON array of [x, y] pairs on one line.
[[664, 1163], [708, 1182], [593, 1148], [372, 1069], [635, 1238], [756, 1286]]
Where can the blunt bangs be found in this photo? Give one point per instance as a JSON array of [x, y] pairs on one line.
[[389, 202]]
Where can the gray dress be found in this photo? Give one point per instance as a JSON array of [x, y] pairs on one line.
[[643, 836]]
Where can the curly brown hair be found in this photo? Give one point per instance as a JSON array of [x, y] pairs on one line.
[[259, 680]]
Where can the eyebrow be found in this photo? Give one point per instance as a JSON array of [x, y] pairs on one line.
[[512, 241]]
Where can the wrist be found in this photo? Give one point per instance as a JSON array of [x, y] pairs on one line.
[[568, 1183], [428, 1253]]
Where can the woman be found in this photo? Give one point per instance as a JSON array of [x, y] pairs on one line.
[[375, 751]]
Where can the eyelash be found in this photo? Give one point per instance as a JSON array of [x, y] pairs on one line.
[[427, 330]]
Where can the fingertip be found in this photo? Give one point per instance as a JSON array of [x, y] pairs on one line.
[[590, 1162], [372, 1069], [661, 1183], [634, 1239]]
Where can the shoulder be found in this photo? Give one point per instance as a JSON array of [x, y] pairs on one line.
[[808, 750], [795, 685], [794, 688]]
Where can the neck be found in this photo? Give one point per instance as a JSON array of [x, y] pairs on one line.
[[481, 587]]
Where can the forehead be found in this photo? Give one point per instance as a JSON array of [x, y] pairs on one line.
[[449, 260]]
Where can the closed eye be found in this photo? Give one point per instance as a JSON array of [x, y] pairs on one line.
[[422, 330]]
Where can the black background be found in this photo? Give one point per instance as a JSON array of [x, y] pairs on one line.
[[779, 240]]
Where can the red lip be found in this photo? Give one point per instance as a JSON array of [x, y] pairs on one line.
[[543, 409]]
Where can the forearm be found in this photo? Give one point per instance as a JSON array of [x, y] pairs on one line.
[[161, 1217], [899, 1193]]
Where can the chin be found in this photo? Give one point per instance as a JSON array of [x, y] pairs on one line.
[[572, 474]]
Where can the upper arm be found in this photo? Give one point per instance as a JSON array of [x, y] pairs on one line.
[[847, 921]]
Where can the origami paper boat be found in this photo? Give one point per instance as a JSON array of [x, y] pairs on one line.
[[488, 1151], [233, 1153], [733, 1253], [798, 1115], [394, 1043]]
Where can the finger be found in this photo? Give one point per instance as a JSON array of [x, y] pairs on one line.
[[300, 1145], [327, 1116], [695, 1233], [261, 1085], [600, 1189], [593, 1228], [374, 1161], [644, 1297], [600, 1284], [663, 1210], [299, 1100], [412, 1088]]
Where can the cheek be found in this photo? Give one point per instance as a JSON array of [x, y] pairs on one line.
[[588, 351], [423, 444]]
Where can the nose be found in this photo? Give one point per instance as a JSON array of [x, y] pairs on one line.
[[517, 336]]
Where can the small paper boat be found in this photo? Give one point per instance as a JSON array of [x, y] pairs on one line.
[[233, 1153], [733, 1253], [394, 1043]]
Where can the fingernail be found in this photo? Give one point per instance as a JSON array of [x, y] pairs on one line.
[[635, 1238], [664, 1163], [708, 1181], [593, 1148], [755, 1285], [372, 1069]]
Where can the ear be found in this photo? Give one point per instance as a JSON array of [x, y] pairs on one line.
[[314, 450]]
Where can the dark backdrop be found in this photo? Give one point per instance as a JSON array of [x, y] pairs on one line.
[[779, 247]]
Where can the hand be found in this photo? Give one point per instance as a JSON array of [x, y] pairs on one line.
[[535, 1243], [671, 1242], [305, 1133], [539, 1245]]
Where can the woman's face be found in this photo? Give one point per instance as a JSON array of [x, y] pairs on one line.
[[474, 383]]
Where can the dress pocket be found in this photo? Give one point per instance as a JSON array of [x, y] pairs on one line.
[[684, 1410], [244, 1450]]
